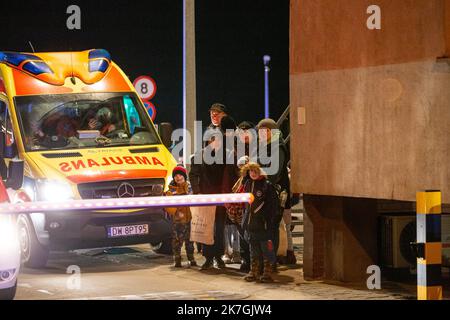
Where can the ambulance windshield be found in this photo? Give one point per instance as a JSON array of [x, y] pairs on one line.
[[74, 121]]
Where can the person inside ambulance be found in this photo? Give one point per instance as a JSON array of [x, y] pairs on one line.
[[103, 121], [66, 127]]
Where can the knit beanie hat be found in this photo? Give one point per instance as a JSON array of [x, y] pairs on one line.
[[179, 170], [246, 125]]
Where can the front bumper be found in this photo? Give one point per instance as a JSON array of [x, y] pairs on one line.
[[9, 262], [80, 230]]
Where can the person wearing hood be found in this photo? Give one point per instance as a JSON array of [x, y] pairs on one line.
[[270, 137], [258, 222]]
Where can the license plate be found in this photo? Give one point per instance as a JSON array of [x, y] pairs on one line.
[[127, 231]]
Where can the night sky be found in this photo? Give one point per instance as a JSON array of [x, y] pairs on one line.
[[145, 38]]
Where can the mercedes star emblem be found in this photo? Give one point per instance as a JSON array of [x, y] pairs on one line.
[[125, 190]]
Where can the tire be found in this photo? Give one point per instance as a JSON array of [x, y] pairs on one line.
[[33, 254], [8, 294], [164, 247]]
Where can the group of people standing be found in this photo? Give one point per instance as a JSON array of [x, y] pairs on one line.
[[243, 233]]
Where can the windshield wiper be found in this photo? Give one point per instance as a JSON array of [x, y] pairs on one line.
[[113, 144]]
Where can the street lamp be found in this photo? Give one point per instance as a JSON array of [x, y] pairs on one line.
[[266, 60], [189, 75]]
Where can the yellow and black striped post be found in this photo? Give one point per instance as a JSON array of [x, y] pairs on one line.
[[429, 260]]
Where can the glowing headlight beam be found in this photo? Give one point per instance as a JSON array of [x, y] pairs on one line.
[[127, 203]]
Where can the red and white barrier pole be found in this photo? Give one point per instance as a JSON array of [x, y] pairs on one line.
[[127, 203]]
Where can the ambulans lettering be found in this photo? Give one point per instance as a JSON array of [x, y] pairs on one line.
[[129, 160], [105, 162], [92, 163], [157, 162], [143, 160], [78, 164], [116, 160], [108, 161], [65, 167]]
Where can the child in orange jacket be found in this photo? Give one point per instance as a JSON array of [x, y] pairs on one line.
[[181, 217]]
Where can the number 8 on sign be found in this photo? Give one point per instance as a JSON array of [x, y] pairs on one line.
[[145, 87]]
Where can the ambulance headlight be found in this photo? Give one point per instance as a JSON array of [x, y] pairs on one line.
[[8, 233], [52, 190]]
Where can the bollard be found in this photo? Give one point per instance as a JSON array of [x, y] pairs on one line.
[[429, 245]]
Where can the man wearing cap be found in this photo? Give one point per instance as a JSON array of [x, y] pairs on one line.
[[270, 137], [216, 113]]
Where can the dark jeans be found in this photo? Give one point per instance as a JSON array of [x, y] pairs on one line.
[[218, 248], [244, 249], [262, 250], [180, 235]]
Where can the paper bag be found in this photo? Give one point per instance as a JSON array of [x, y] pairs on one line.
[[283, 245], [202, 224]]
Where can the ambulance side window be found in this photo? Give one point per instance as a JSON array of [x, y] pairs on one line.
[[6, 128]]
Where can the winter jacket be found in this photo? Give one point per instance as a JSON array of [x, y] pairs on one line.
[[211, 178], [179, 214], [258, 219], [281, 177]]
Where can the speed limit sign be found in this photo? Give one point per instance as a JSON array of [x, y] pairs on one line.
[[145, 87]]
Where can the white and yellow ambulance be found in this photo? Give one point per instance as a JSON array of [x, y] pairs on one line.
[[76, 121]]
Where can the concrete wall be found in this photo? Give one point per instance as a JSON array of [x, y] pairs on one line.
[[377, 102]]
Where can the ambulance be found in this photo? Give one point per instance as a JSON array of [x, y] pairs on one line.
[[82, 132]]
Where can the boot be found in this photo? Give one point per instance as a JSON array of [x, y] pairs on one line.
[[209, 263], [220, 263], [253, 275], [236, 258], [177, 262], [226, 258], [245, 267], [274, 267], [290, 258], [281, 260], [192, 261], [267, 274]]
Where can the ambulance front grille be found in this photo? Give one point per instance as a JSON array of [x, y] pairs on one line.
[[110, 189]]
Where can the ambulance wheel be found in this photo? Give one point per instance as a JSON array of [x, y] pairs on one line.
[[8, 294], [164, 247], [33, 254]]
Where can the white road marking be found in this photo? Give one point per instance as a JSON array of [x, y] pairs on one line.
[[177, 295], [24, 285], [45, 292]]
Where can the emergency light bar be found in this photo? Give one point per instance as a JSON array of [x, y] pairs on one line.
[[128, 203]]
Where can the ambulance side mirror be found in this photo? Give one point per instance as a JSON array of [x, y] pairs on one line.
[[15, 174], [165, 132], [6, 151]]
